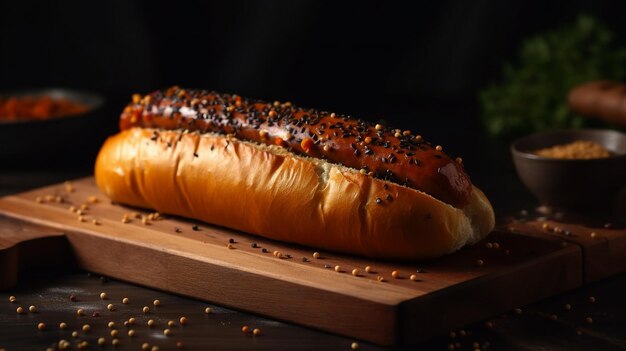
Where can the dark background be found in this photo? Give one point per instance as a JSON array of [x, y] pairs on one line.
[[417, 65]]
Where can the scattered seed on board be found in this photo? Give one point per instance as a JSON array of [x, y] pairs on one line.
[[183, 320], [156, 302], [12, 299], [145, 309], [114, 333], [395, 274], [125, 300], [131, 332], [62, 325], [256, 332], [41, 326], [102, 341], [110, 307], [354, 346], [103, 296], [170, 323], [86, 328], [207, 310], [32, 309], [19, 310], [80, 312], [245, 329], [356, 272], [413, 277], [316, 255], [131, 321], [151, 323], [167, 332], [111, 324]]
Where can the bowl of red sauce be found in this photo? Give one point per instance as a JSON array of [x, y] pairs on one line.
[[49, 126]]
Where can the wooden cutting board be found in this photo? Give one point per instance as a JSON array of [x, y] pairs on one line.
[[510, 268]]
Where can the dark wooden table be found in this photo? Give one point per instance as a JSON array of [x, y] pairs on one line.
[[592, 317]]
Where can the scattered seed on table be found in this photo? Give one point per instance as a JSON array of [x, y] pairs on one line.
[[368, 269], [131, 332], [167, 332], [86, 328], [80, 312], [316, 255], [110, 307], [74, 334], [62, 325], [413, 277], [207, 310], [111, 324], [114, 333], [256, 331], [102, 341], [145, 346], [395, 274], [145, 309], [151, 322], [245, 329], [356, 272], [156, 302], [41, 326], [12, 299], [19, 310], [354, 346], [103, 296], [115, 342], [125, 300], [170, 323], [183, 320], [131, 320]]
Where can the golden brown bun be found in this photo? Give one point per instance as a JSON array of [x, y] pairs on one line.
[[268, 191]]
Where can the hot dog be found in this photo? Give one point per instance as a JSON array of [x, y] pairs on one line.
[[300, 175]]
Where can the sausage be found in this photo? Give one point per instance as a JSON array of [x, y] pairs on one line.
[[389, 154]]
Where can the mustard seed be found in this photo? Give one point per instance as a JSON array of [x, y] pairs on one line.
[[156, 302], [145, 309], [125, 300], [167, 332], [354, 346], [245, 329], [103, 296], [62, 325], [41, 326], [102, 341], [207, 310], [256, 332], [19, 310], [183, 320]]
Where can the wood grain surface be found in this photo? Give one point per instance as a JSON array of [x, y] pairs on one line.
[[193, 259]]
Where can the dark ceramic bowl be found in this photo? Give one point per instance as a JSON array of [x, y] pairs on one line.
[[588, 185], [51, 141]]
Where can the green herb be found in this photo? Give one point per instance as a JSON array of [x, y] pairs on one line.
[[533, 94]]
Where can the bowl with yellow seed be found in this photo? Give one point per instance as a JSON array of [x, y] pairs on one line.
[[579, 169]]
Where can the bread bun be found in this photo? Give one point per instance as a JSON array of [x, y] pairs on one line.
[[271, 192]]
